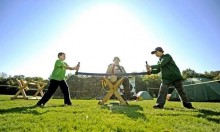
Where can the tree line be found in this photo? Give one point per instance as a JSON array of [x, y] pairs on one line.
[[11, 80], [189, 73], [152, 81], [155, 80]]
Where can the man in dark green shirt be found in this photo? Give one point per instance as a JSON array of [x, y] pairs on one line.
[[57, 78], [170, 76]]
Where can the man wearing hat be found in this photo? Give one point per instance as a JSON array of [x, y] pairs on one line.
[[170, 76], [115, 68]]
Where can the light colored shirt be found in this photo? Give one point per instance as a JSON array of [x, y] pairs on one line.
[[117, 69]]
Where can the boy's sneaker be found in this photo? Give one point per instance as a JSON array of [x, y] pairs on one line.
[[68, 104], [158, 107], [39, 105], [188, 105]]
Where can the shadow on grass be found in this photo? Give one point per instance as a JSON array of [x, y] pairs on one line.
[[22, 110], [209, 115], [132, 111], [3, 100], [56, 106], [176, 112]]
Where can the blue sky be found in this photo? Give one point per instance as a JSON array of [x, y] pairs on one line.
[[32, 32]]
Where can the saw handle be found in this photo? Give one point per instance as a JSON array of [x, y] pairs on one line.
[[78, 65], [148, 71]]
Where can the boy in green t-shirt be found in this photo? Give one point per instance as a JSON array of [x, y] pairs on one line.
[[58, 79], [170, 76]]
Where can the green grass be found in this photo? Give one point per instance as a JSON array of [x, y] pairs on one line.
[[87, 116]]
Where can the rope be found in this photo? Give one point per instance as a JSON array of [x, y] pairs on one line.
[[109, 74]]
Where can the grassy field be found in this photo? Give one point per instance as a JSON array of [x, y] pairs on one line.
[[87, 116]]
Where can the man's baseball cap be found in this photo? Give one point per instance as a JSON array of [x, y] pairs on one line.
[[157, 49]]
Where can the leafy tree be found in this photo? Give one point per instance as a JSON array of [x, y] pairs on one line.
[[19, 76], [211, 74], [40, 79], [152, 83], [28, 79], [1, 80], [3, 75], [68, 75], [217, 77], [4, 81], [11, 82], [188, 73]]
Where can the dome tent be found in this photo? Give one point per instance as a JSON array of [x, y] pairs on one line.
[[143, 95], [199, 89]]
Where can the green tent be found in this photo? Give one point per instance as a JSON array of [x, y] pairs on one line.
[[199, 89], [144, 95]]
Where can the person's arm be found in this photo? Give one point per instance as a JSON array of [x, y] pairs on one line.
[[72, 68], [109, 70], [66, 66], [166, 59], [156, 68], [123, 69]]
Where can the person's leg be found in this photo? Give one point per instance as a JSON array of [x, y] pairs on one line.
[[65, 90], [161, 99], [179, 87], [51, 90], [127, 90]]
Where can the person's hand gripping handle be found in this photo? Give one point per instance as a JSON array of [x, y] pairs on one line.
[[148, 69]]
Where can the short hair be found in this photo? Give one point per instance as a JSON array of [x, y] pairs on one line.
[[116, 57], [60, 54]]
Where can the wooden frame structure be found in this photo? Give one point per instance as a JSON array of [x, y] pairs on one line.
[[40, 87], [113, 90], [23, 86]]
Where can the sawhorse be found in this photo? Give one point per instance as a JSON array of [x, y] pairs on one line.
[[40, 87], [113, 90], [22, 85]]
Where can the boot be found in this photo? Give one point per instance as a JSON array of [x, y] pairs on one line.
[[188, 105]]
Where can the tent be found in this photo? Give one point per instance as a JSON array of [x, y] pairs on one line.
[[199, 89], [143, 95]]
